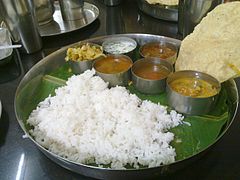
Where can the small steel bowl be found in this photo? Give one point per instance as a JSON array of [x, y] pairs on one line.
[[120, 45], [79, 67], [118, 78], [159, 52], [188, 104], [146, 66]]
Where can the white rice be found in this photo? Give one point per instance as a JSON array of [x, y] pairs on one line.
[[87, 122]]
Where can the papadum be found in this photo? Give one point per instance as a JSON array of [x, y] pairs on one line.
[[214, 45], [164, 2]]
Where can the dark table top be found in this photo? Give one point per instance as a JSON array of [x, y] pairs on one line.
[[21, 159]]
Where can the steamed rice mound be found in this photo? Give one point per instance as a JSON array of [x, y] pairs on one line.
[[86, 122]]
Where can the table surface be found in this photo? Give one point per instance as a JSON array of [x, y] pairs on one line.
[[21, 159]]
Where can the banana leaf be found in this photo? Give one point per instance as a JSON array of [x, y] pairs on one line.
[[200, 131], [191, 137]]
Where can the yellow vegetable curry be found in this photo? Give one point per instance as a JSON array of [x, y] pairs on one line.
[[193, 87]]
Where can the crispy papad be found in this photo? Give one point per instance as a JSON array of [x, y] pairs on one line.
[[214, 45]]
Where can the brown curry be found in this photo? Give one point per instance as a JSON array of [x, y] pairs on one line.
[[112, 65], [157, 50], [152, 72]]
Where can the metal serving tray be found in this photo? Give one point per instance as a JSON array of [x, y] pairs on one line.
[[168, 13], [59, 26], [56, 60]]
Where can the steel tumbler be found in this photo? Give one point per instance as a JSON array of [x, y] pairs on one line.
[[44, 11], [72, 9], [19, 17], [191, 13]]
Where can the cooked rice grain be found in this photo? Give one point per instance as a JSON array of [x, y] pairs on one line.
[[86, 122]]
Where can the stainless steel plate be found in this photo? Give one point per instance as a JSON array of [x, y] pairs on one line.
[[58, 26], [29, 87], [168, 13]]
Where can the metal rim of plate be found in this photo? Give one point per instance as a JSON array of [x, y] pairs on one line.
[[0, 108], [56, 60], [164, 12], [59, 26]]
